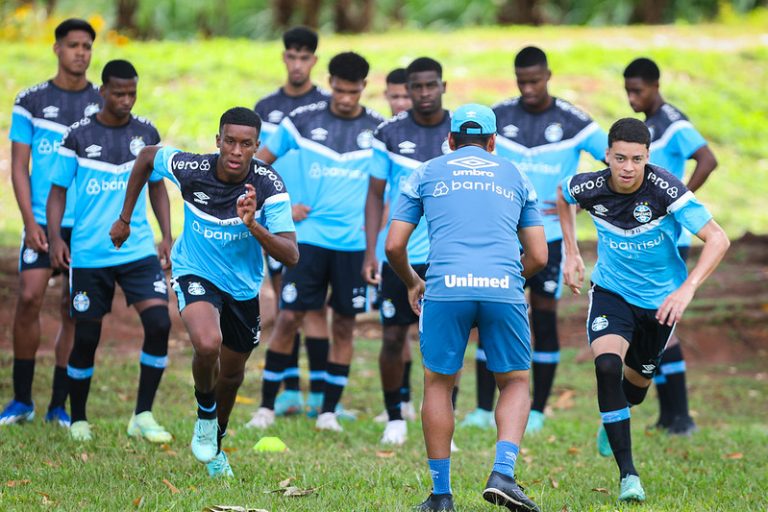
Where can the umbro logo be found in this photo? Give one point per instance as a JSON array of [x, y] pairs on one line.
[[599, 209], [275, 116], [407, 147], [510, 131], [201, 197], [319, 134], [473, 162], [93, 151], [50, 112], [649, 368]]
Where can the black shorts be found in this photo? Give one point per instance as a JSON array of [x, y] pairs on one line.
[[29, 258], [239, 320], [305, 286], [93, 289], [549, 281], [274, 267], [395, 308], [609, 313]]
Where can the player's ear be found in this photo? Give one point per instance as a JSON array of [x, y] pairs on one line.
[[491, 147], [451, 141], [218, 140]]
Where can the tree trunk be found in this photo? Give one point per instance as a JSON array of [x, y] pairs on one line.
[[126, 16], [282, 10], [650, 12], [519, 12], [351, 18], [312, 13]]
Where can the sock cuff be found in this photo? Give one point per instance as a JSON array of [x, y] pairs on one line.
[[546, 357], [672, 368], [79, 373], [153, 361], [310, 339], [615, 416]]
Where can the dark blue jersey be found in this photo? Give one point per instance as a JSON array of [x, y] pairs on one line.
[[41, 116], [98, 160], [401, 145]]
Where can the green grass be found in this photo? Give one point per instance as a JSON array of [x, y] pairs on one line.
[[723, 467], [712, 72]]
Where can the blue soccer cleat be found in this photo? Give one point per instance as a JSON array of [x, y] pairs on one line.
[[289, 402], [603, 444], [479, 418], [535, 422], [17, 412], [631, 489], [204, 441], [314, 404], [59, 416], [219, 467]]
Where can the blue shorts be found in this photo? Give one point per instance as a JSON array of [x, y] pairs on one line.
[[444, 328]]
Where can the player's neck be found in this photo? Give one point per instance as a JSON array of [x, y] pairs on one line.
[[70, 82], [655, 106], [108, 119], [541, 107], [358, 110], [430, 119], [292, 90]]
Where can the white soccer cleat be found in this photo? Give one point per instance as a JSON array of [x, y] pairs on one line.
[[408, 411], [262, 418], [328, 421], [382, 418], [396, 432]]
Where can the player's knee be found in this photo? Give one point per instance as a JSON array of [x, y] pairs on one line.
[[206, 344], [30, 302], [231, 380], [608, 366], [156, 323], [393, 340]]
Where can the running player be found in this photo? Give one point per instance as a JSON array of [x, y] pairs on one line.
[[479, 210], [401, 145], [40, 117], [543, 136], [299, 57], [95, 160], [396, 92], [640, 286], [334, 143], [234, 206], [674, 140]]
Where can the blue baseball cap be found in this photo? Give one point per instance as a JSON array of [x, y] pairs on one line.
[[482, 118]]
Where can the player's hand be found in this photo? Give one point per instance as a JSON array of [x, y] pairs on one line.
[[673, 307], [299, 212], [164, 253], [246, 205], [35, 239], [573, 273], [549, 208], [59, 254], [371, 270], [119, 233], [416, 295]]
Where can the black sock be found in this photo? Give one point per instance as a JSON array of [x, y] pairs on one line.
[[486, 382], [405, 387], [206, 404], [454, 396], [392, 403], [336, 379], [546, 356], [291, 374], [672, 367], [635, 394], [81, 365], [60, 387], [154, 355], [221, 435], [23, 374], [317, 350], [614, 410], [274, 367]]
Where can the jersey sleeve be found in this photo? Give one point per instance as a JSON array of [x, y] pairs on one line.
[[65, 166], [596, 142], [409, 206], [689, 212], [687, 140], [380, 162], [21, 123], [163, 164], [529, 214], [566, 186], [284, 139], [154, 140], [276, 213]]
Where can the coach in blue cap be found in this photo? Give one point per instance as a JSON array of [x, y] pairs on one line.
[[479, 209]]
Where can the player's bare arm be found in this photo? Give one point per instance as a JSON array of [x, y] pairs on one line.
[[281, 246], [34, 236], [142, 168], [716, 243], [573, 267], [705, 164], [535, 250], [161, 206], [396, 248], [374, 206], [57, 203]]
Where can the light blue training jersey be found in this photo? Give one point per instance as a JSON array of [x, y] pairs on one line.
[[474, 203]]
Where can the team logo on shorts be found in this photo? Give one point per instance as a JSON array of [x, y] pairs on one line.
[[599, 323], [553, 132], [81, 302], [550, 286], [91, 109], [136, 145], [290, 294], [649, 368], [29, 256], [642, 213], [388, 309], [441, 189], [445, 147], [358, 301], [273, 263], [256, 331], [195, 288], [364, 139], [160, 286]]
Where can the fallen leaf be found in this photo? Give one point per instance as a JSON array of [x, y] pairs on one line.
[[565, 509], [573, 450], [170, 486], [296, 492], [46, 499], [565, 400], [232, 508], [600, 489], [138, 502], [244, 400], [16, 483], [229, 450], [51, 464], [385, 454], [84, 457], [554, 483], [735, 456], [551, 439], [286, 482]]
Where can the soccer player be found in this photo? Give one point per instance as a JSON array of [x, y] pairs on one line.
[[396, 91], [479, 209], [299, 57], [40, 117], [334, 143], [543, 136], [674, 140], [95, 160], [401, 145], [234, 206], [640, 286]]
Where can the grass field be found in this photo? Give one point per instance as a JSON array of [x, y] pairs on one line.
[[723, 467], [712, 72]]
